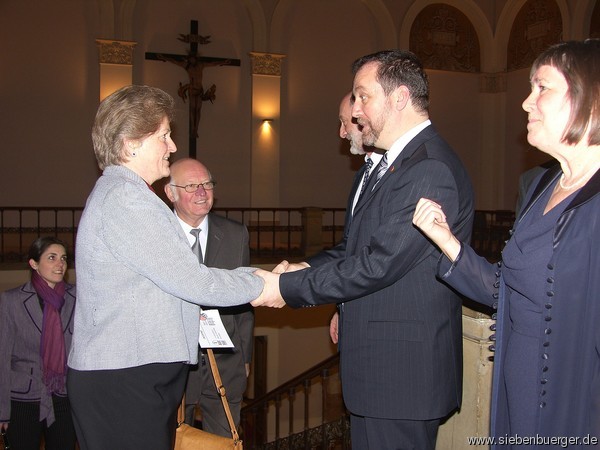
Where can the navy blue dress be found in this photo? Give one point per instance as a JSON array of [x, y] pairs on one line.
[[525, 258]]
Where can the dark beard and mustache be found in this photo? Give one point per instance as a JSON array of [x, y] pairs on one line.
[[371, 136], [373, 130]]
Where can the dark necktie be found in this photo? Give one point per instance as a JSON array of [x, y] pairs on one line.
[[196, 248], [368, 165], [381, 168]]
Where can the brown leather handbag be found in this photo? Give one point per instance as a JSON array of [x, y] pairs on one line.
[[190, 438]]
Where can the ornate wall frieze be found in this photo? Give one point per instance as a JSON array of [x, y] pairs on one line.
[[537, 26], [266, 63], [492, 83], [444, 39], [115, 52]]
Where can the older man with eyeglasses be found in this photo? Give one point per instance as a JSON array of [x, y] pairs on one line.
[[224, 244]]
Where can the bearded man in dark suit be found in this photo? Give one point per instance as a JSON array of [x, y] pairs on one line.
[[400, 333]]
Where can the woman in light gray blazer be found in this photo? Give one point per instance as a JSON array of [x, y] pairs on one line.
[[36, 326], [139, 284]]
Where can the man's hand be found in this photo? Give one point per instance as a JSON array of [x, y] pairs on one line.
[[270, 295], [333, 327], [286, 266], [281, 267]]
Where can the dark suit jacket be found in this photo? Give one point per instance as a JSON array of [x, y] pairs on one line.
[[338, 250], [227, 248], [356, 185], [400, 327], [20, 334]]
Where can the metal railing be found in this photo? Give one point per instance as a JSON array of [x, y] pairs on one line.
[[20, 226], [275, 233], [322, 426]]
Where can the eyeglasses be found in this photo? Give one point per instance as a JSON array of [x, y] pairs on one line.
[[191, 188]]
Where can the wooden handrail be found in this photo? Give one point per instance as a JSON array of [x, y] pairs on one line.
[[275, 233], [315, 371], [311, 432]]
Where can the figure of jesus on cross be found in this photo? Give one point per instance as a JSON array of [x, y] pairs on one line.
[[194, 65]]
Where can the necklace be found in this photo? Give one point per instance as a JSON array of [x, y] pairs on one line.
[[582, 180]]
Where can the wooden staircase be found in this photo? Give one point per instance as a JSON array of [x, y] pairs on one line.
[[307, 412]]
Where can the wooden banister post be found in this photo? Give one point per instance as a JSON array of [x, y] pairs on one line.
[[312, 230]]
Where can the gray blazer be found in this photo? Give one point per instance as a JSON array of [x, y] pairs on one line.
[[138, 283], [20, 334]]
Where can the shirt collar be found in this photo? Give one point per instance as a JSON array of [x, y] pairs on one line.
[[403, 140], [203, 236]]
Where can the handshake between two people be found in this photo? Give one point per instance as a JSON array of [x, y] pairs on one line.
[[271, 295]]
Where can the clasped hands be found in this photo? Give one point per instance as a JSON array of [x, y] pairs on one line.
[[271, 295]]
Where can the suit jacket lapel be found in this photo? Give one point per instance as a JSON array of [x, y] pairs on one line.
[[547, 178], [356, 184], [589, 190], [215, 237], [369, 189], [31, 304], [404, 160]]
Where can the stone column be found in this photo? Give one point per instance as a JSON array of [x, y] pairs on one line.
[[491, 178], [312, 234], [266, 103], [116, 65], [474, 416]]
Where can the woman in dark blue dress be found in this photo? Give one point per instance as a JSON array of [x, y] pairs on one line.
[[546, 290]]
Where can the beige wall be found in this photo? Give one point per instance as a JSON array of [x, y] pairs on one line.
[[49, 87]]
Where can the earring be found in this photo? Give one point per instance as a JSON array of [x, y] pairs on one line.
[[132, 153]]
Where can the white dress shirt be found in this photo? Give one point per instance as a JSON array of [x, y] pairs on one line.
[[399, 145], [202, 237]]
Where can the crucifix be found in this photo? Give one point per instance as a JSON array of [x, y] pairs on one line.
[[194, 64]]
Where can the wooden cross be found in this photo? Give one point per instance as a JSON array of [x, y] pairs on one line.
[[194, 64]]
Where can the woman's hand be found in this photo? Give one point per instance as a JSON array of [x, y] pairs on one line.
[[270, 295], [431, 220]]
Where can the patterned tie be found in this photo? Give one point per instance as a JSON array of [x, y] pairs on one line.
[[381, 168], [196, 248], [368, 165]]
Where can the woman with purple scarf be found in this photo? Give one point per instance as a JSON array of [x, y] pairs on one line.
[[36, 325]]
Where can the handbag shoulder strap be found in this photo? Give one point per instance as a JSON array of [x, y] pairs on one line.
[[181, 411], [221, 391]]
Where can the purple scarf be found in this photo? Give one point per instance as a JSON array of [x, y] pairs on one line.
[[52, 345]]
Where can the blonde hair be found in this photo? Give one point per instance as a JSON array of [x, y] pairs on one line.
[[132, 112]]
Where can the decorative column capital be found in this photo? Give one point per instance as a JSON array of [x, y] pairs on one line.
[[266, 63], [492, 83], [115, 52]]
